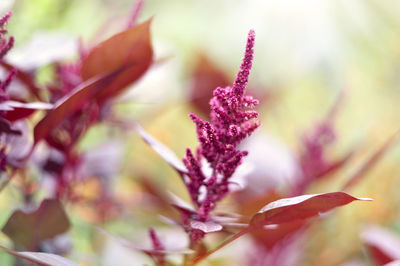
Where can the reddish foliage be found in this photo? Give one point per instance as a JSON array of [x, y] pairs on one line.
[[29, 229], [129, 50]]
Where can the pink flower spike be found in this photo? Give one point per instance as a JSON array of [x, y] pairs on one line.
[[4, 20], [242, 77], [233, 118]]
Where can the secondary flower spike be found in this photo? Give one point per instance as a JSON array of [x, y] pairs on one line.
[[233, 118]]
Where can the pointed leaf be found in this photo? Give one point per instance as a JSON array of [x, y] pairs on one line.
[[165, 153], [41, 258], [288, 210], [131, 47], [72, 102], [18, 110], [371, 162], [28, 229], [300, 208]]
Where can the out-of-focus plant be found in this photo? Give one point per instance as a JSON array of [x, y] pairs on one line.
[[207, 173], [82, 95]]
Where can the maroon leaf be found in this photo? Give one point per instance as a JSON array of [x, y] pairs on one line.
[[131, 48], [289, 210], [371, 162], [18, 110], [383, 244], [300, 208], [41, 258], [72, 102], [165, 153], [29, 229]]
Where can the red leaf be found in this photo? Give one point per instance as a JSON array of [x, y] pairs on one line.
[[289, 210], [18, 110], [131, 48], [41, 258], [29, 229], [300, 208], [383, 244], [72, 102], [270, 237], [165, 153]]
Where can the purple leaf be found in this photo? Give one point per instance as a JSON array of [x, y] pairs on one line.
[[28, 229], [12, 105], [300, 208], [41, 258], [131, 48], [289, 210], [18, 110], [72, 102]]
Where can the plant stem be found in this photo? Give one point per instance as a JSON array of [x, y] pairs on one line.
[[223, 244]]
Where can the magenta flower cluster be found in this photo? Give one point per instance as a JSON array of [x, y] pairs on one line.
[[233, 118]]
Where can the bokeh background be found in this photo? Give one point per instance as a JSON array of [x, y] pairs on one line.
[[307, 53]]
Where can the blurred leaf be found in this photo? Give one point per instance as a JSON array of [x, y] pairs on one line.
[[206, 77], [300, 208], [41, 258], [206, 227], [5, 127], [393, 263], [384, 245], [67, 105], [29, 229], [131, 48], [147, 251], [269, 237], [371, 162], [165, 153], [18, 110]]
